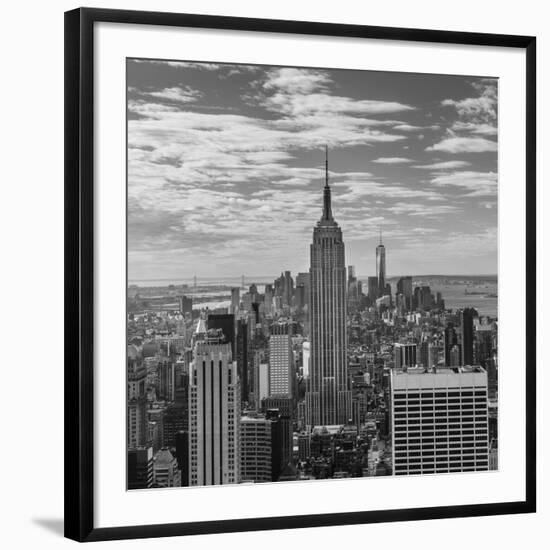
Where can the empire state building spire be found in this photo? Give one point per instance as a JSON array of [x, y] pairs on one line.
[[327, 210]]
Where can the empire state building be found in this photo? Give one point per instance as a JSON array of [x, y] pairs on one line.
[[328, 399]]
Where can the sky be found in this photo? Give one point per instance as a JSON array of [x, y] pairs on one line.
[[226, 169]]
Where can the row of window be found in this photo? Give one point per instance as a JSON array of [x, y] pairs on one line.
[[444, 462], [452, 435], [440, 393]]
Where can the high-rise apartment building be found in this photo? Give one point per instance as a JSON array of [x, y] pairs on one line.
[[439, 421], [214, 403], [256, 449], [328, 397], [281, 367]]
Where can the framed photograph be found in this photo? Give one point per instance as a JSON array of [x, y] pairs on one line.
[[300, 274]]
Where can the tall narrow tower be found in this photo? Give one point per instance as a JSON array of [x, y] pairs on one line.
[[328, 400], [381, 267]]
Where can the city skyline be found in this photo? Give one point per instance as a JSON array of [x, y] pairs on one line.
[[225, 161]]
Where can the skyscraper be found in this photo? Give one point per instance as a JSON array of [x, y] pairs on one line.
[[281, 373], [451, 340], [235, 299], [214, 399], [328, 399], [256, 450], [404, 286], [467, 325], [381, 267]]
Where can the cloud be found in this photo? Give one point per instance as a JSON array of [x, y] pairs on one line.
[[203, 66], [477, 109], [472, 127], [422, 209], [293, 80], [411, 128], [464, 145], [445, 165], [303, 92], [392, 160], [478, 184], [177, 94], [477, 115]]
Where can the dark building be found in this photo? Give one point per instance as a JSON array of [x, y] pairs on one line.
[[467, 325], [283, 407], [404, 287], [175, 419], [226, 323], [451, 340], [242, 356], [182, 456], [300, 296], [280, 453], [372, 288], [303, 279], [422, 298], [186, 305], [140, 468]]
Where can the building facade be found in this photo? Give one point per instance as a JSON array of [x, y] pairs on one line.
[[439, 421], [256, 450], [214, 407], [281, 371]]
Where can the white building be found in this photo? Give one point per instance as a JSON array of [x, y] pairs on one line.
[[281, 371], [306, 357], [439, 421], [214, 416], [261, 381]]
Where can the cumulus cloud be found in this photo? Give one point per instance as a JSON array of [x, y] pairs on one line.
[[177, 94], [478, 184], [303, 92], [392, 160], [476, 115], [457, 144], [444, 165]]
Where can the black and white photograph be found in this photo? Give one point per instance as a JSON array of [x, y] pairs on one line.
[[312, 273]]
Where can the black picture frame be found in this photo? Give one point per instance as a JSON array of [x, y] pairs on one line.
[[79, 269]]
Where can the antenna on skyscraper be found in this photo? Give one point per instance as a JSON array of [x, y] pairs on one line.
[[380, 230], [326, 165]]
